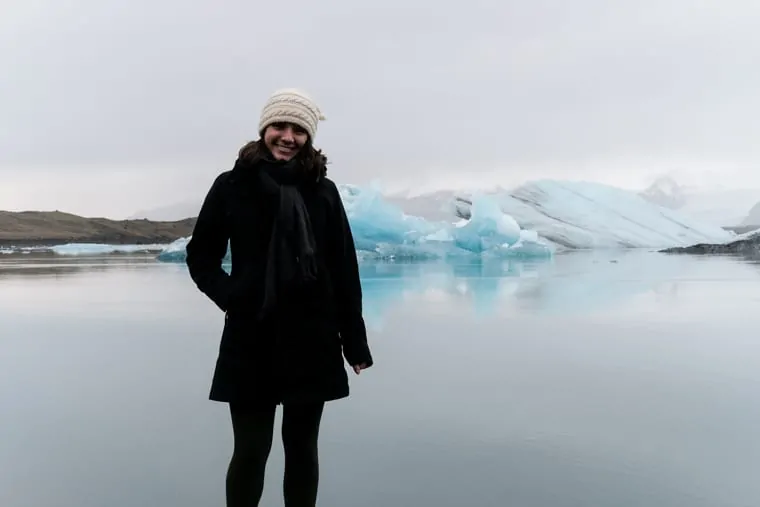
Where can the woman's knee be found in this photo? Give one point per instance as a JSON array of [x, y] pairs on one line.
[[252, 432], [300, 427]]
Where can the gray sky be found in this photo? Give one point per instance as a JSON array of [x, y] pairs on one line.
[[109, 107]]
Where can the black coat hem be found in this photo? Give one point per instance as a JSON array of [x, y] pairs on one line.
[[289, 399]]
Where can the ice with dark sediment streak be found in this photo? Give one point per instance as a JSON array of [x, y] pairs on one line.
[[589, 215]]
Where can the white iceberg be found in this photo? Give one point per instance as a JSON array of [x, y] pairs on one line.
[[85, 249], [584, 215]]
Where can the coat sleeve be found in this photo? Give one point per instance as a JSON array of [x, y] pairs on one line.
[[207, 248], [348, 289]]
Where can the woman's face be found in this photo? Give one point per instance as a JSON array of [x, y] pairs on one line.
[[284, 140]]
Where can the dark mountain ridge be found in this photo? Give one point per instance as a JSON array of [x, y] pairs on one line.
[[38, 228]]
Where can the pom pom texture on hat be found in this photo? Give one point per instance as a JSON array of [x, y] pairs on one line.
[[293, 106]]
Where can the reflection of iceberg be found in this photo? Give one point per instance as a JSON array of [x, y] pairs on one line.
[[482, 284], [584, 282], [384, 284], [383, 231], [570, 284], [32, 265]]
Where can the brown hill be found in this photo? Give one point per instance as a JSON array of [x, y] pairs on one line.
[[29, 228]]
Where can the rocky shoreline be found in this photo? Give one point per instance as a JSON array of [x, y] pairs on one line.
[[749, 246]]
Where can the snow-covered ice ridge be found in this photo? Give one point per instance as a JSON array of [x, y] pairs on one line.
[[592, 215]]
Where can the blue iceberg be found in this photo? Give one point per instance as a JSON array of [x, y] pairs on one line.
[[487, 229], [175, 252], [382, 231]]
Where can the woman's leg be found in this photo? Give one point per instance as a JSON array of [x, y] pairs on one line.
[[252, 429], [300, 432]]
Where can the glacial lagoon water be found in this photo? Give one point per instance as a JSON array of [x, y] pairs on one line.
[[591, 379]]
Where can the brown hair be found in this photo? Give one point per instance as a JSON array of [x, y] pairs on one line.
[[313, 162]]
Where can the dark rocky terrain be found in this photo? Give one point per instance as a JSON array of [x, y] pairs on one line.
[[749, 246], [41, 228]]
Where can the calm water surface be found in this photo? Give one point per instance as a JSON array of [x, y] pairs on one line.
[[592, 380]]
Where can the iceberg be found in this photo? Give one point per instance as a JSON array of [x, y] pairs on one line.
[[586, 215], [382, 231], [85, 249], [175, 251], [490, 229], [102, 249]]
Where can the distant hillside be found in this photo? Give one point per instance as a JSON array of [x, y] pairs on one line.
[[28, 228], [713, 205], [170, 212], [665, 192], [753, 216]]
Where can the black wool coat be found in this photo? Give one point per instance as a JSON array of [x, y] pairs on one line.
[[297, 352]]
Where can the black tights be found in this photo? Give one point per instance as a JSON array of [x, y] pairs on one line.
[[252, 429]]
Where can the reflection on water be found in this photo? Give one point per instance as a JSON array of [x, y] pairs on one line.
[[570, 283], [592, 379], [51, 266]]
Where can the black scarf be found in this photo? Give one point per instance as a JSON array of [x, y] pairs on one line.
[[291, 259]]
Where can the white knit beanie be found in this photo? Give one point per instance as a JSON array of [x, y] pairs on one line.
[[293, 106]]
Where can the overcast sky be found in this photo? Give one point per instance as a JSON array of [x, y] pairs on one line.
[[108, 107]]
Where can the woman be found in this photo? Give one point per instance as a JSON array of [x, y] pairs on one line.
[[292, 299]]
